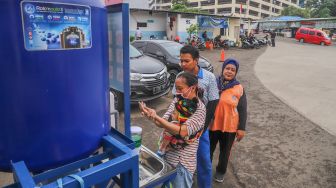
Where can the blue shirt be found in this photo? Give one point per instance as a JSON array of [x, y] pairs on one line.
[[206, 81]]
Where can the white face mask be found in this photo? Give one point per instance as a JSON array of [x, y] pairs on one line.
[[184, 94]]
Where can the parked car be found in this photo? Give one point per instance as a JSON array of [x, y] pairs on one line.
[[314, 36], [168, 52], [149, 79]]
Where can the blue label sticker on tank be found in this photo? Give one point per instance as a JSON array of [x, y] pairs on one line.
[[55, 26]]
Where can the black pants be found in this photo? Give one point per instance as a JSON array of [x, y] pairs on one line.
[[226, 140], [273, 42]]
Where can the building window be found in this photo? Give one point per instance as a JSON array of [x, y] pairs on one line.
[[223, 31], [224, 10], [264, 7], [241, 2], [207, 3], [193, 4], [237, 10], [221, 2], [268, 1], [263, 15], [141, 24], [254, 4], [210, 11], [253, 13], [284, 5]]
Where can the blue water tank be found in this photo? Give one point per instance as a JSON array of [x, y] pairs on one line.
[[54, 105]]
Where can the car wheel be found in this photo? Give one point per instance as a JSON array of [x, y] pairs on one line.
[[301, 40], [322, 43], [118, 99], [173, 74]]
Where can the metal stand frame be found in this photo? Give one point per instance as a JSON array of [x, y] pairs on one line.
[[117, 158]]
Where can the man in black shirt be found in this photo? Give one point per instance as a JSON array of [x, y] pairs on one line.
[[273, 38]]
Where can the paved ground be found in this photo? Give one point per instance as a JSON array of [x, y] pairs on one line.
[[282, 148], [304, 77]]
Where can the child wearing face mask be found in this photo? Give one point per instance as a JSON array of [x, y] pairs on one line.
[[184, 108]]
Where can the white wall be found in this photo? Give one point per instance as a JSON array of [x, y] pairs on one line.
[[184, 23], [233, 26], [156, 23], [159, 21], [141, 4]]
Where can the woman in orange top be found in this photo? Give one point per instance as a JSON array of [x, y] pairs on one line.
[[230, 116]]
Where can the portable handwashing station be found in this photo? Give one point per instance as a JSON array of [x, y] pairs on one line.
[[54, 115]]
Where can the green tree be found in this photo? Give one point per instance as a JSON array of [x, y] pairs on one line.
[[192, 29], [322, 12], [322, 8], [179, 7], [182, 6], [293, 11]]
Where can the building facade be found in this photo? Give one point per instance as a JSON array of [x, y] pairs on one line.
[[163, 24], [253, 9]]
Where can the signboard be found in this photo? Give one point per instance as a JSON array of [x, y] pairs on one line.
[[209, 22], [55, 26], [307, 23]]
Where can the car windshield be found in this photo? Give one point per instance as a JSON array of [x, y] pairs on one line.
[[173, 49], [134, 53]]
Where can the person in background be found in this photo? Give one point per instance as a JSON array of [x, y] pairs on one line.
[[230, 116], [330, 35], [205, 36], [189, 57], [138, 34], [177, 39], [273, 38], [268, 42], [183, 158]]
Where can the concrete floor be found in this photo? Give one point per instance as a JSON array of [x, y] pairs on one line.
[[304, 77], [283, 147]]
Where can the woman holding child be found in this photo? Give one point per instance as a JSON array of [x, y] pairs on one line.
[[188, 112]]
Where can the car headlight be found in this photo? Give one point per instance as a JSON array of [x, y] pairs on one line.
[[135, 76]]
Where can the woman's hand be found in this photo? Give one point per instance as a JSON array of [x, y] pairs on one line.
[[240, 135], [143, 108], [148, 112]]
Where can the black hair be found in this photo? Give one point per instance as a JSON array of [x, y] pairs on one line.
[[188, 49], [191, 80]]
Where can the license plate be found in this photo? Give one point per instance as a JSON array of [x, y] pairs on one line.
[[157, 89]]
